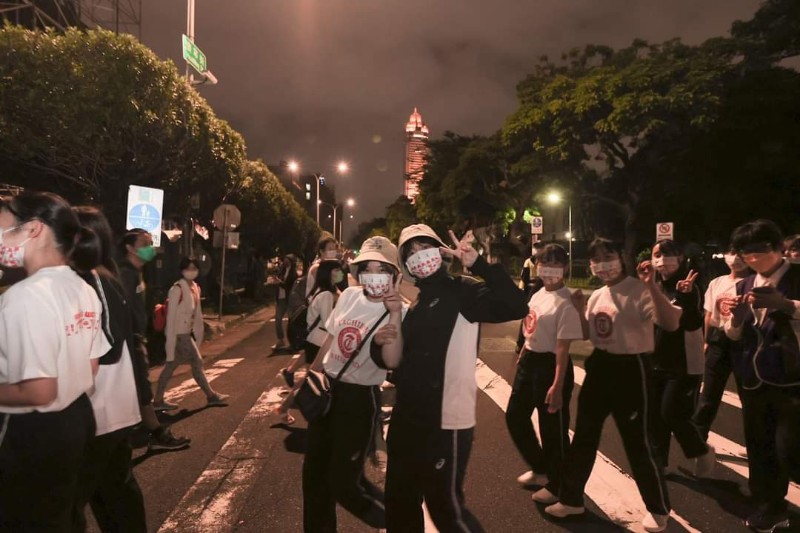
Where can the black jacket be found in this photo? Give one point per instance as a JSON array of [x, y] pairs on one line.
[[428, 329], [670, 350], [132, 282], [116, 319]]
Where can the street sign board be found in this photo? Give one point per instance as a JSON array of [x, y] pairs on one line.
[[193, 55], [231, 240], [537, 226], [227, 213], [664, 230], [145, 206]]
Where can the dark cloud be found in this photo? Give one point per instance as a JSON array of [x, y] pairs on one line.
[[323, 80]]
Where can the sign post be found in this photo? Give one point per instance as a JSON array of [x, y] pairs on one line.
[[537, 227], [226, 217], [193, 55], [665, 230], [145, 206]]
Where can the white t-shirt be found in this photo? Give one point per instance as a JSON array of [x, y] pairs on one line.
[[114, 399], [719, 288], [350, 320], [551, 317], [320, 307], [50, 327], [621, 318]]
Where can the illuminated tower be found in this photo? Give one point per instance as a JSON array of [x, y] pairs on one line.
[[416, 154]]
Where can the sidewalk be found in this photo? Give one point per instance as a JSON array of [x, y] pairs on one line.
[[223, 335]]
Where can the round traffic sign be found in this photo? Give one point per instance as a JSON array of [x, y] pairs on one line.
[[145, 216], [227, 213], [665, 227]]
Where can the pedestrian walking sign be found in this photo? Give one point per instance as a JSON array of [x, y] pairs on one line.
[[145, 206]]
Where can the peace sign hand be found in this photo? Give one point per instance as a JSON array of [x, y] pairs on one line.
[[686, 285], [464, 251], [392, 300]]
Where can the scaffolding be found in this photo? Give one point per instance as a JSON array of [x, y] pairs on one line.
[[119, 16]]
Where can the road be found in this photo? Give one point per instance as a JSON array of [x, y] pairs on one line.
[[242, 471]]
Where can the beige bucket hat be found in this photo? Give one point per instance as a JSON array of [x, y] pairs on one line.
[[376, 249], [411, 232]]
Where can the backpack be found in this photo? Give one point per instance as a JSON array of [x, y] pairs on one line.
[[160, 313], [297, 328]]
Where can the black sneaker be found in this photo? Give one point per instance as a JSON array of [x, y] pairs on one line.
[[165, 440], [767, 522], [287, 376]]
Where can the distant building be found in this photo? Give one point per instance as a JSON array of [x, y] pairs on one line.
[[416, 154]]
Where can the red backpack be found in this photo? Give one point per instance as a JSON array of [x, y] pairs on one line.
[[160, 313]]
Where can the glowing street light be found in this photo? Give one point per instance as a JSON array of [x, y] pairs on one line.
[[554, 197], [342, 167], [293, 166], [349, 203]]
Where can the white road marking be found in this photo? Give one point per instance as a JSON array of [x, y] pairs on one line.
[[727, 451], [209, 504], [176, 394], [609, 487]]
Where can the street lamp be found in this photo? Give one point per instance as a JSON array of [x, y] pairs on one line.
[[341, 167], [554, 198], [349, 203]]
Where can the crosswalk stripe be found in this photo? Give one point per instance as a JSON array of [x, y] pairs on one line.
[[727, 451], [176, 394], [209, 505], [609, 486]]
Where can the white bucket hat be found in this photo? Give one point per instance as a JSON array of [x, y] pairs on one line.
[[412, 232], [375, 249]]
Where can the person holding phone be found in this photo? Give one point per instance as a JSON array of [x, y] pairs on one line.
[[766, 319]]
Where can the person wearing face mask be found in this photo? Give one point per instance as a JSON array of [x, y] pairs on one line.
[[136, 250], [678, 363], [184, 332], [51, 341], [620, 316], [720, 351], [544, 378], [339, 442], [327, 250], [324, 296], [766, 318], [434, 353]]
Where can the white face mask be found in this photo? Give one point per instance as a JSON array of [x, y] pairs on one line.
[[666, 265], [607, 270], [734, 262], [424, 263], [190, 275], [375, 285], [551, 275], [330, 254], [12, 256]]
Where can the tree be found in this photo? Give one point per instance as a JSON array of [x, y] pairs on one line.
[[772, 34], [612, 117], [89, 113], [399, 214], [371, 228]]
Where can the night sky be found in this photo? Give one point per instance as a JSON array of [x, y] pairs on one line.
[[324, 80]]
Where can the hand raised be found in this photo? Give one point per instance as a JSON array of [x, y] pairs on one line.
[[463, 251], [686, 285], [646, 272], [392, 300]]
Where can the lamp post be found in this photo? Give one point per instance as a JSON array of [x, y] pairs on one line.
[[341, 167], [349, 203], [554, 198]]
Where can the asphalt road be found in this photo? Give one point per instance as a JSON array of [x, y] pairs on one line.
[[242, 471]]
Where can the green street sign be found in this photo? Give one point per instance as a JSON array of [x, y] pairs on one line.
[[194, 56]]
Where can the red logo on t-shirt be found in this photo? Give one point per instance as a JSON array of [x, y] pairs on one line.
[[529, 323], [603, 325], [723, 307], [349, 339]]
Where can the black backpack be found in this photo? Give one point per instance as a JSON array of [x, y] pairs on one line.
[[297, 329]]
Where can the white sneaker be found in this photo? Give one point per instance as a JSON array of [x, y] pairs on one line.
[[655, 522], [544, 496], [559, 510], [704, 465], [530, 478]]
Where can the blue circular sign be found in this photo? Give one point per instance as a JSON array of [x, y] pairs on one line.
[[145, 216]]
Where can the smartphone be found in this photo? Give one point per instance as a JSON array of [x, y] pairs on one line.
[[763, 290]]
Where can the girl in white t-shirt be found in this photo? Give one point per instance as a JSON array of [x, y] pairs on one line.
[[621, 315], [333, 468], [324, 296], [544, 378], [50, 343]]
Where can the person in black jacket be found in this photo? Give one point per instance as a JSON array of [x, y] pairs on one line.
[[430, 437], [766, 318], [136, 249], [287, 276], [678, 363]]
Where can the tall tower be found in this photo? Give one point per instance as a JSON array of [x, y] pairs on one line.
[[416, 154]]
